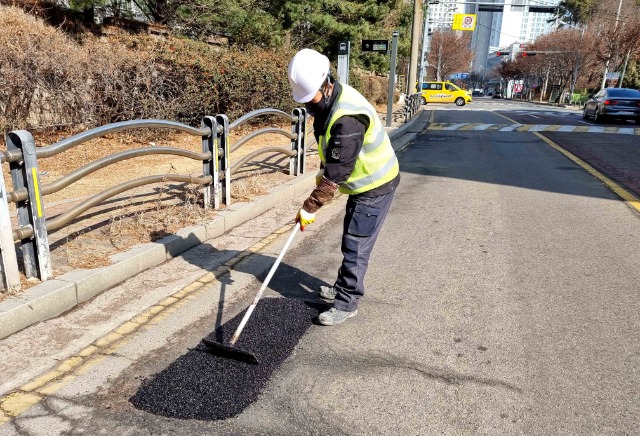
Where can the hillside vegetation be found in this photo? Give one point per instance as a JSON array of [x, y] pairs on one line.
[[49, 79]]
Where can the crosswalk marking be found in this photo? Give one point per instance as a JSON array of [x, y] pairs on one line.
[[538, 128], [533, 128], [482, 127], [510, 128], [566, 129], [455, 126]]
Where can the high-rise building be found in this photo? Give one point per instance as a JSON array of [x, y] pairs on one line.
[[440, 15], [510, 22]]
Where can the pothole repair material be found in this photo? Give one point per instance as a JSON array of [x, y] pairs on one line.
[[199, 385]]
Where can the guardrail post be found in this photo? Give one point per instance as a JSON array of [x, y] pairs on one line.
[[302, 120], [9, 260], [407, 108], [210, 167], [224, 156], [296, 162], [36, 254]]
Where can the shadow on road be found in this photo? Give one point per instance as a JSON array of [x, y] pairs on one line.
[[523, 160]]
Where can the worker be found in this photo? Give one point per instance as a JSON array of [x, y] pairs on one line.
[[358, 160]]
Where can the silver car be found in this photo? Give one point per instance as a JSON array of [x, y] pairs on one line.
[[621, 103]]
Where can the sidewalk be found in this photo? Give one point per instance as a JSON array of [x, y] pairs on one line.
[[56, 296]]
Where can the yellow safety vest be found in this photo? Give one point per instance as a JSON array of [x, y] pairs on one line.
[[377, 163]]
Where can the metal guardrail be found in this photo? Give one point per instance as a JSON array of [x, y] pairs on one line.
[[31, 236]]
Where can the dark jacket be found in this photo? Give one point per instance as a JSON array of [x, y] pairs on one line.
[[346, 138]]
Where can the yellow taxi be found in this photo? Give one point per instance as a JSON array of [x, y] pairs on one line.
[[444, 92]]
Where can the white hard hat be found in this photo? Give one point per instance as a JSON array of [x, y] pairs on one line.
[[307, 71]]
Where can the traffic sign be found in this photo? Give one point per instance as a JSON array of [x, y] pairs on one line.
[[464, 22], [377, 45]]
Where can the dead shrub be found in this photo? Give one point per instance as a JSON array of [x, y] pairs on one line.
[[48, 79], [42, 73], [374, 88]]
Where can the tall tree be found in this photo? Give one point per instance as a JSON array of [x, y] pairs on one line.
[[449, 54]]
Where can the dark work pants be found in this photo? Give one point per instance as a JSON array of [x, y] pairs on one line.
[[362, 223]]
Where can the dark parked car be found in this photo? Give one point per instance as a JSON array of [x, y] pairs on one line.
[[496, 95], [622, 103]]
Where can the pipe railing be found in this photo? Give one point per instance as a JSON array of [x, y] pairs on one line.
[[22, 156]]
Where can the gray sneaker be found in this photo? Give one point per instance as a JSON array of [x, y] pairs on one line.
[[327, 293], [335, 316]]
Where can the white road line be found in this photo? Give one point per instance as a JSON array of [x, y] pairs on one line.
[[585, 122], [533, 116]]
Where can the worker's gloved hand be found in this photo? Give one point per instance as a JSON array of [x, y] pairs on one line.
[[305, 218]]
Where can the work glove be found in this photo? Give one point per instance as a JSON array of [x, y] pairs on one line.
[[305, 218], [319, 175]]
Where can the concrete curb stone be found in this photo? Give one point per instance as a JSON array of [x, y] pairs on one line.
[[54, 297]]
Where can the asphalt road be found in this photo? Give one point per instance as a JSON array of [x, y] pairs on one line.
[[502, 299]]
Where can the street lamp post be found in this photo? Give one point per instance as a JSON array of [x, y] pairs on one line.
[[606, 64], [578, 60], [415, 36], [425, 47]]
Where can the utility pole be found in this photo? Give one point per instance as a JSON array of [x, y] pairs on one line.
[[415, 42], [576, 67], [606, 65], [624, 68], [392, 76], [424, 62]]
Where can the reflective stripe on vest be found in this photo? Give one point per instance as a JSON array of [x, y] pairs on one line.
[[377, 163]]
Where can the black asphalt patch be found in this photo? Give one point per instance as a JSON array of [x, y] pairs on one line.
[[203, 386]]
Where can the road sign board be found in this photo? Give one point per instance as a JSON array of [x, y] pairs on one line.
[[464, 22], [377, 45], [344, 48]]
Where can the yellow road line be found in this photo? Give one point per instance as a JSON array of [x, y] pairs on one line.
[[617, 189], [21, 399], [506, 118]]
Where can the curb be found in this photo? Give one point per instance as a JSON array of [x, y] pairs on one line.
[[56, 296]]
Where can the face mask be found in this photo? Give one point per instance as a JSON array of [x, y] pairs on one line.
[[316, 108]]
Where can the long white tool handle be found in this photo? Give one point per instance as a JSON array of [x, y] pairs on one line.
[[246, 316]]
